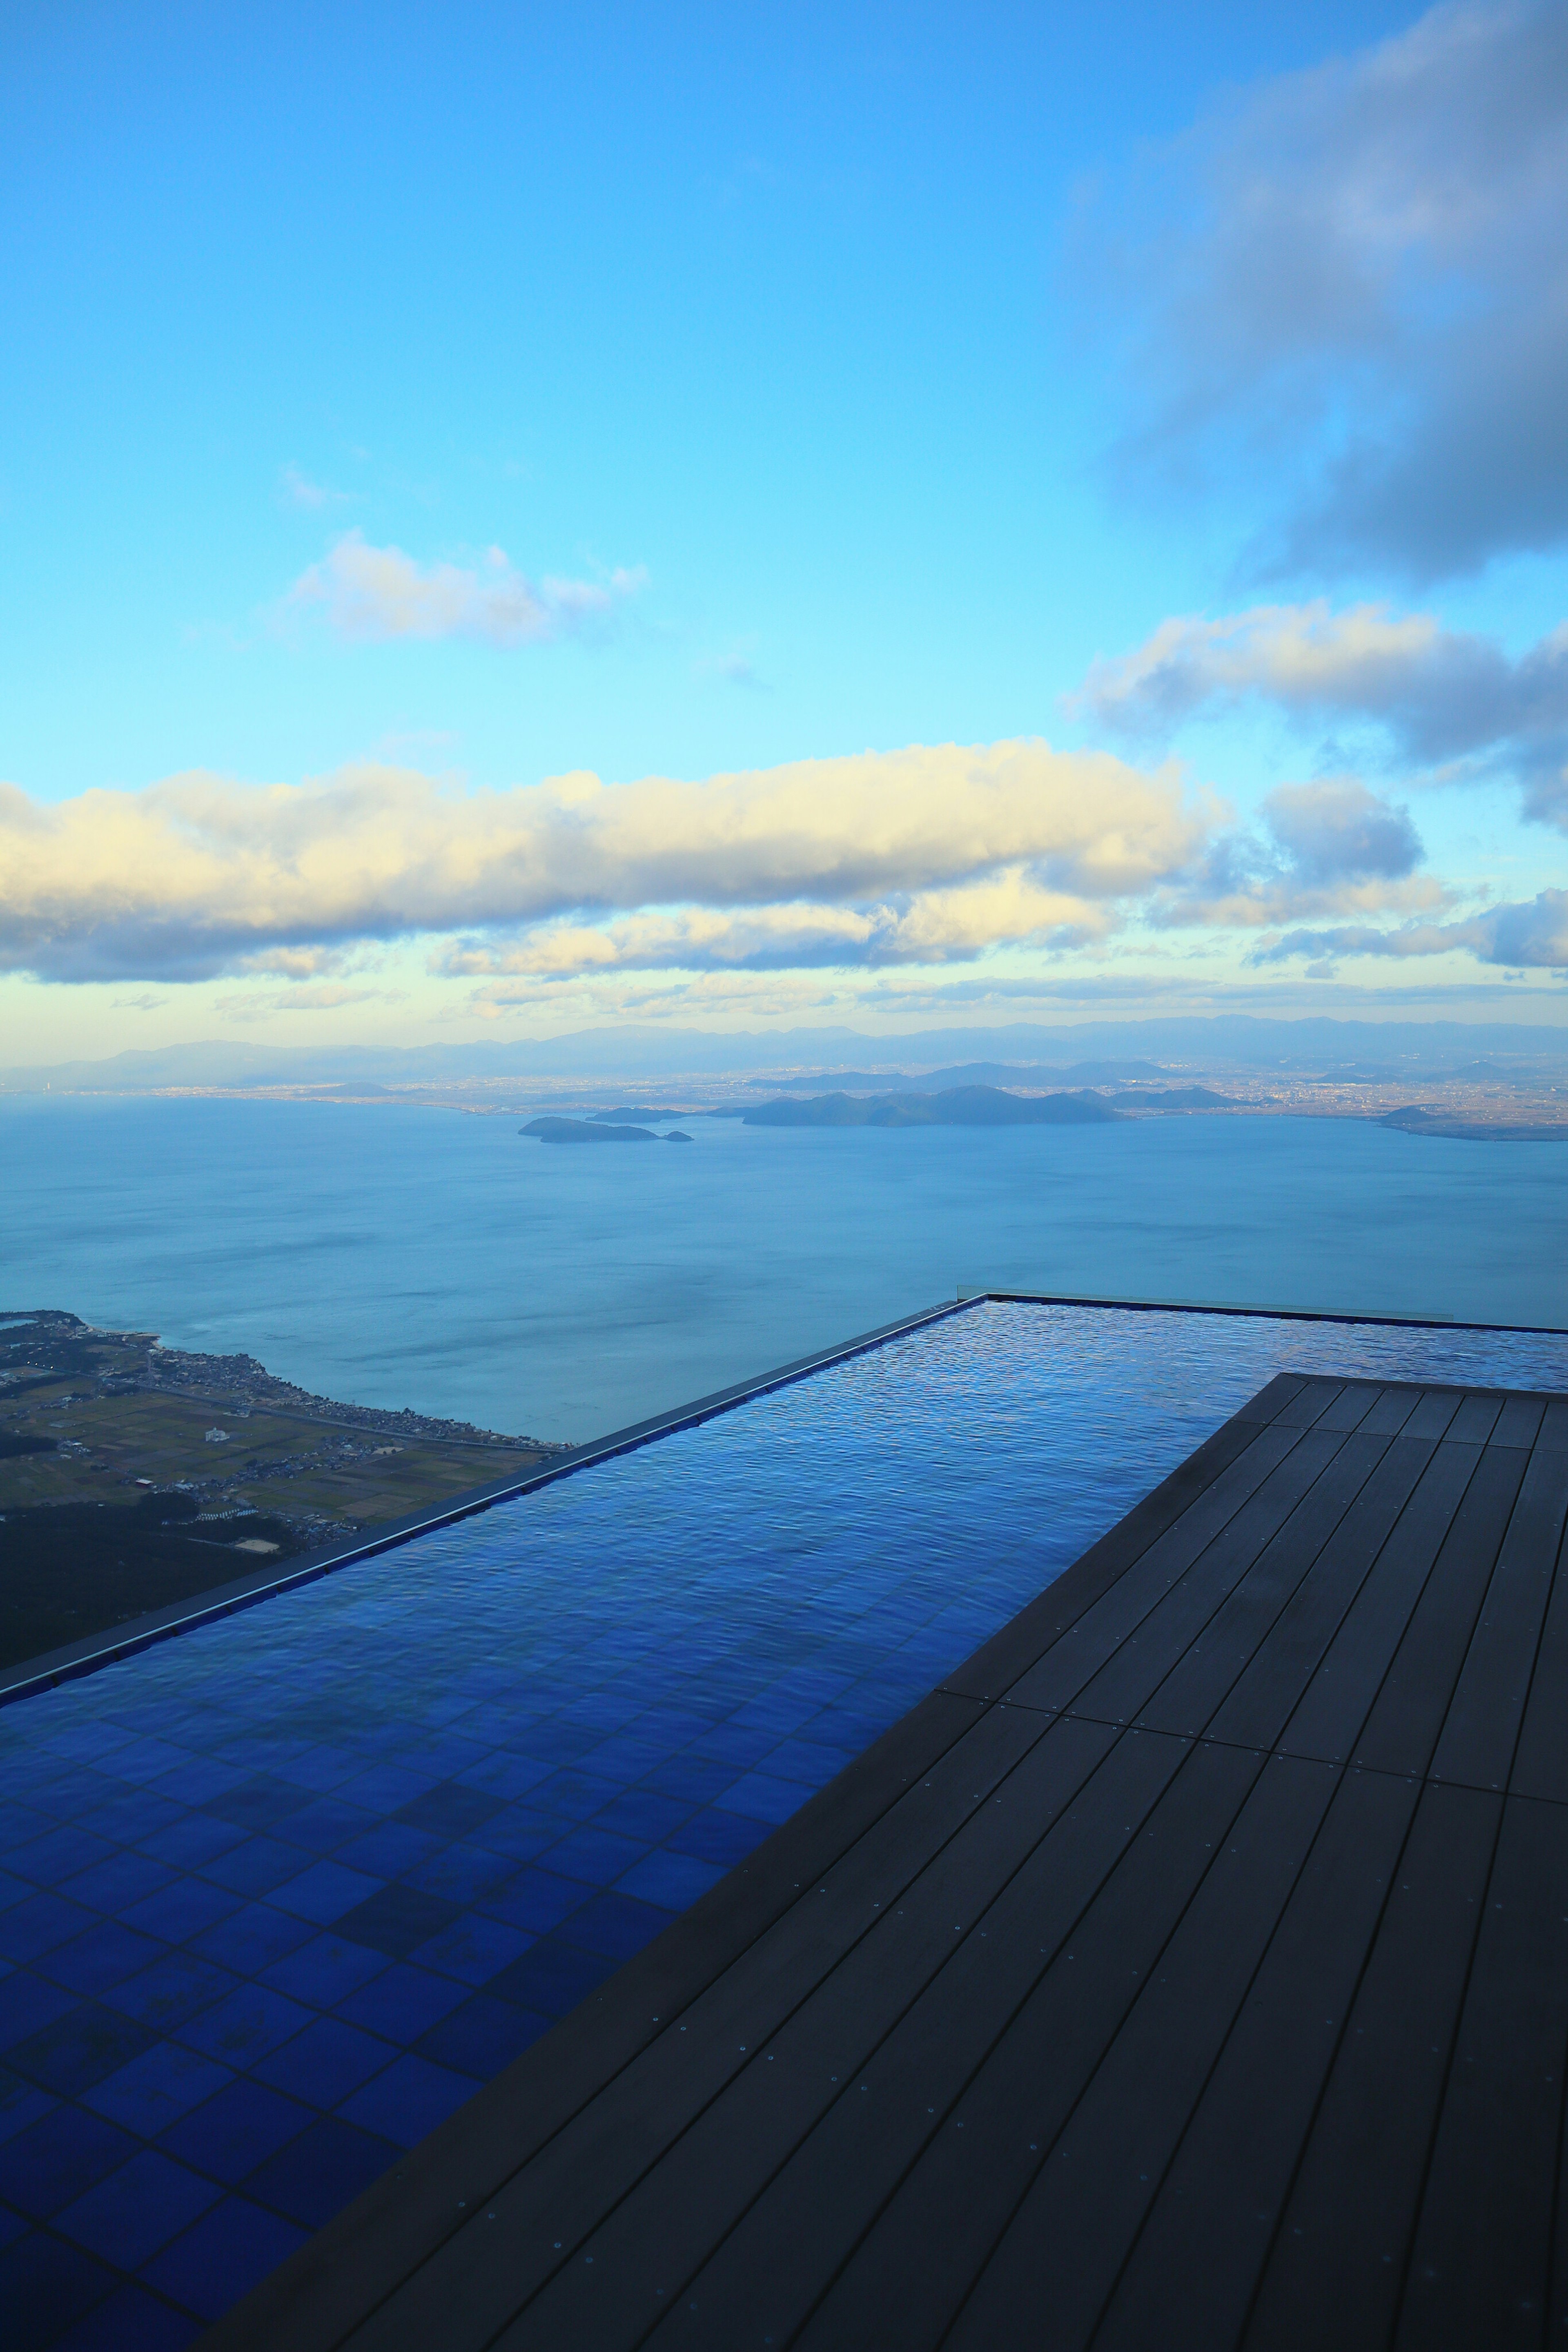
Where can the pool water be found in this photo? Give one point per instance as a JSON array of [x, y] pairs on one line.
[[278, 1895]]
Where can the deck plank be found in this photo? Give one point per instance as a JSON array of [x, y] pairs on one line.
[[1274, 1679], [1192, 1968], [1335, 2272], [1479, 2267], [1194, 2272]]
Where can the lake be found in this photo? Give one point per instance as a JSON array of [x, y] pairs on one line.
[[409, 1256]]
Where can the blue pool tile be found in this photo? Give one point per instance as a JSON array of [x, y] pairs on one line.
[[387, 1849], [326, 1824], [616, 1925], [320, 1768], [20, 1824], [552, 1977], [28, 2004], [594, 1856], [103, 1955], [382, 1788], [54, 2160], [255, 1865], [575, 1796], [641, 1813], [714, 1836], [463, 1874], [132, 2321], [401, 2002], [197, 1779], [697, 1780], [236, 2129], [259, 1804], [191, 1839], [181, 1909], [46, 2282], [36, 1924], [473, 1947], [245, 2025], [507, 1776], [78, 2049], [812, 1762], [127, 2217], [519, 1832], [397, 1918], [157, 2088], [116, 1881], [329, 2162], [21, 2105], [59, 1854], [763, 1799], [325, 1970], [252, 1937], [141, 1760], [172, 1990], [480, 2037], [412, 2095], [674, 1881], [536, 1900], [324, 1892], [325, 2062], [452, 1809], [732, 1743], [227, 2251]]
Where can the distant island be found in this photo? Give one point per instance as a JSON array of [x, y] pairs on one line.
[[595, 1130], [955, 1106]]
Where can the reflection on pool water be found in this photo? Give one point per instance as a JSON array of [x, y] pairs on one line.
[[279, 1894]]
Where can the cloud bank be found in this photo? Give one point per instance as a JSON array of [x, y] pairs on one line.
[[1532, 933], [374, 594], [1442, 696], [1355, 280], [884, 851]]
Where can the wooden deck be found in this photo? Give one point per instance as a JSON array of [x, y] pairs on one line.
[[1190, 1971]]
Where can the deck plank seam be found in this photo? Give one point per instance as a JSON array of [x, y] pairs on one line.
[[1256, 1560], [1425, 2175], [1423, 1780], [1221, 2047], [1552, 1582], [1008, 2023], [1484, 1586], [1289, 2189], [868, 2055], [1148, 1978]]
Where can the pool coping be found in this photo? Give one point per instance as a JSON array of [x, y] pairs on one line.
[[31, 1677]]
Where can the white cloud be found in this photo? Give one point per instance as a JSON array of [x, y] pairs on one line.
[[1357, 279], [930, 927], [199, 874], [1441, 696], [372, 594], [297, 489], [1326, 848], [1531, 934], [261, 1004]]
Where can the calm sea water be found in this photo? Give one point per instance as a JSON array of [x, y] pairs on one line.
[[403, 1257]]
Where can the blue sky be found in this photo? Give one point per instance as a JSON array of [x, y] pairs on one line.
[[1018, 508]]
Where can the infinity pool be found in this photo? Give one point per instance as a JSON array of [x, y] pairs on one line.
[[278, 1895]]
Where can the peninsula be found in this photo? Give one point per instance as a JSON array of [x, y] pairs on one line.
[[133, 1475]]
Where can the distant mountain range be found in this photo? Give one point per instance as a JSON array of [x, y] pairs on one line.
[[1020, 1053], [957, 1106]]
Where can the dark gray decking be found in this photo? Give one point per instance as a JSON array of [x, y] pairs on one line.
[[1192, 1970]]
